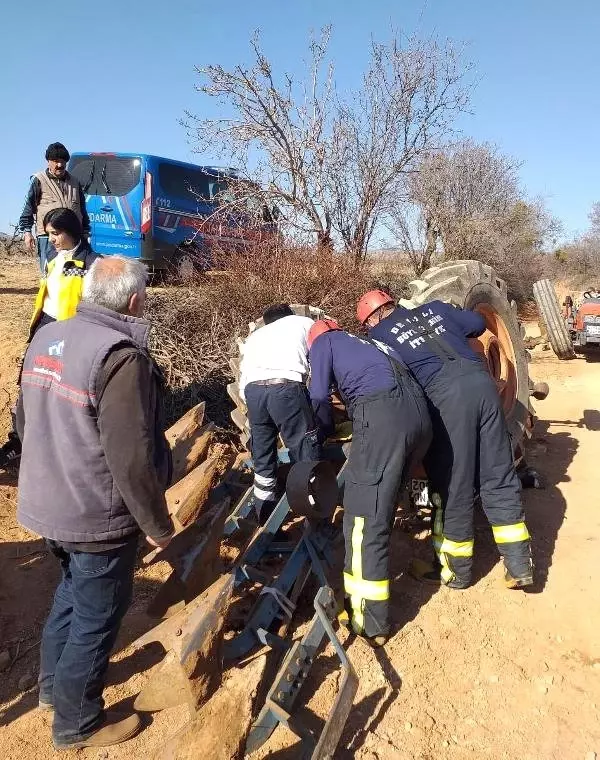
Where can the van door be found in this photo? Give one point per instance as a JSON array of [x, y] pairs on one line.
[[114, 192]]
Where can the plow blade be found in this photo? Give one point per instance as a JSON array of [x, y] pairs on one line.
[[192, 668], [194, 556]]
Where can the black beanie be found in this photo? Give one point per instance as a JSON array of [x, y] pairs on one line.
[[57, 152]]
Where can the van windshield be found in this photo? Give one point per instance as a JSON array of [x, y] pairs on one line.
[[106, 175]]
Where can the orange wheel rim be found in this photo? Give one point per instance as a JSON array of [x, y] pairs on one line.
[[495, 346]]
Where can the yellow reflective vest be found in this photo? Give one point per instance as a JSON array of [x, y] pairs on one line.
[[70, 286]]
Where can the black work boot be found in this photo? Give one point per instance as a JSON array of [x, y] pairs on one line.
[[345, 618], [518, 570], [518, 581], [432, 575], [10, 452]]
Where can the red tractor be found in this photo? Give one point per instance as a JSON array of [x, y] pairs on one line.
[[583, 320], [575, 327]]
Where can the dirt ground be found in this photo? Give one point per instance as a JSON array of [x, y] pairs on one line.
[[482, 673]]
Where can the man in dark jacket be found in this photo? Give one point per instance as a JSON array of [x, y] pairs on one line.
[[471, 449], [390, 427], [94, 469], [51, 188]]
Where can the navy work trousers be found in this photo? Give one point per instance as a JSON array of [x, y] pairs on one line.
[[389, 430], [471, 453], [283, 409]]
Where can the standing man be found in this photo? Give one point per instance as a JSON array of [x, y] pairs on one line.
[[51, 188], [471, 449], [273, 373], [390, 427], [94, 469]]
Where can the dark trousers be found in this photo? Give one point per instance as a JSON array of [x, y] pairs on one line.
[[273, 409], [12, 447], [80, 632], [43, 247], [389, 430], [471, 452]]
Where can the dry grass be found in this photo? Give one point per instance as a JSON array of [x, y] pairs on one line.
[[197, 321]]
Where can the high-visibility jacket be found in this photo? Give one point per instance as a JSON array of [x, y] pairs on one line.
[[70, 287]]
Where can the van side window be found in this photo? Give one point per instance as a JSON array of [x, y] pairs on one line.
[[183, 182]]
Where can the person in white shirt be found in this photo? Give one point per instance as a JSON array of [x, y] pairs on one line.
[[274, 369]]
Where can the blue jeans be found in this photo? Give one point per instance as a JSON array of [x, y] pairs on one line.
[[82, 627], [43, 247]]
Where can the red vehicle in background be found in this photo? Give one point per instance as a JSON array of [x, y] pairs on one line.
[[583, 320]]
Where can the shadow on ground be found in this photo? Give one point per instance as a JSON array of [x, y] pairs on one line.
[[29, 575]]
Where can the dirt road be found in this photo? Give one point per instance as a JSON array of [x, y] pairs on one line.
[[482, 673]]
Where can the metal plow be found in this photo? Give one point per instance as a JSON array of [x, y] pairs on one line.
[[216, 673], [282, 697]]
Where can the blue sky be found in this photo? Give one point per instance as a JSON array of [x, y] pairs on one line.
[[111, 76]]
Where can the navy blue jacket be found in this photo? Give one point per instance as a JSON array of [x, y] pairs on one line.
[[354, 366], [32, 201], [405, 332]]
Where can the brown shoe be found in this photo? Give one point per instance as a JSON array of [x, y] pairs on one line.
[[112, 732]]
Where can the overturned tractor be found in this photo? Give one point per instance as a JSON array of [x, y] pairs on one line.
[[469, 285], [236, 651]]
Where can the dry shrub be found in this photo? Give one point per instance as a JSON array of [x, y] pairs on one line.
[[197, 322]]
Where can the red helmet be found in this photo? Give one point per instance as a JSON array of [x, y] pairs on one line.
[[321, 326], [370, 302]]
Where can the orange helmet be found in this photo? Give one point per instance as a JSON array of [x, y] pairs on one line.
[[370, 302], [321, 326]]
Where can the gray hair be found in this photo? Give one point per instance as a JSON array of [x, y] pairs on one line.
[[112, 280]]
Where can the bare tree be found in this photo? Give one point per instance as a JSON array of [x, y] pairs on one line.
[[333, 164], [581, 255], [459, 196], [12, 244], [594, 217], [467, 203]]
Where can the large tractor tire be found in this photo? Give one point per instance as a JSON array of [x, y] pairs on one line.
[[470, 285], [473, 285], [549, 309], [239, 414]]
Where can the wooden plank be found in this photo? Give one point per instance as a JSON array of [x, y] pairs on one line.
[[192, 449], [186, 425]]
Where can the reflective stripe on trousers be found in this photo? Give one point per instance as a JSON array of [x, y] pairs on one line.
[[451, 554], [265, 488], [510, 534], [358, 589], [507, 538]]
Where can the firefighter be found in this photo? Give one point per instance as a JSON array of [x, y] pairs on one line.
[[471, 449], [390, 426], [273, 372]]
